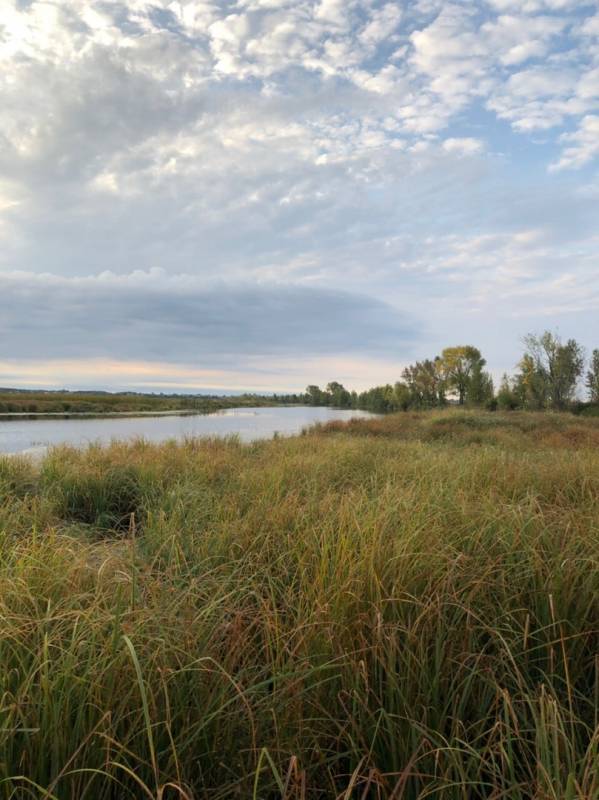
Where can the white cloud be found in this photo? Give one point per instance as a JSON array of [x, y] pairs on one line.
[[451, 53], [535, 6], [588, 86], [514, 40], [539, 98], [465, 147], [442, 62], [590, 27], [581, 146], [382, 24]]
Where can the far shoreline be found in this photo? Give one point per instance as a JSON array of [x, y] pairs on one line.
[[176, 412]]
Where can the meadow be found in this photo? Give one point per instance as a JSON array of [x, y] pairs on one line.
[[64, 403], [399, 608]]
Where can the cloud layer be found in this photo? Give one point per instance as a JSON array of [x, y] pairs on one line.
[[194, 180], [177, 319]]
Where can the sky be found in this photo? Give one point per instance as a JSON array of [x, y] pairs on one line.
[[227, 195]]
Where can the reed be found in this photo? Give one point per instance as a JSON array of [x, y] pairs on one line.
[[403, 608]]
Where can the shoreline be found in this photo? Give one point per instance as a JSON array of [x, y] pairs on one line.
[[11, 415]]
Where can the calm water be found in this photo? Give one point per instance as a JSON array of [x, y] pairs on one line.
[[35, 435]]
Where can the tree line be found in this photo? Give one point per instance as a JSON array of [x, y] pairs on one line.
[[548, 376]]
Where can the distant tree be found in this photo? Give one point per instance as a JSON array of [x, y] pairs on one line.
[[552, 369], [592, 378], [390, 399], [314, 395], [339, 396], [531, 385], [379, 399], [480, 390], [425, 383], [457, 367], [507, 397], [402, 397]]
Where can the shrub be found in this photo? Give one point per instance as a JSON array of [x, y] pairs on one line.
[[102, 495]]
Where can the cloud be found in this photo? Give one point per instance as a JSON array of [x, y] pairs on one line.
[[581, 146], [284, 149], [253, 374], [465, 146], [535, 6], [91, 82], [178, 319]]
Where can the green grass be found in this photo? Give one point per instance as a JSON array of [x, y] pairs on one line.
[[402, 608]]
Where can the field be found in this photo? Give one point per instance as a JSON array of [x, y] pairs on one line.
[[397, 609], [14, 401]]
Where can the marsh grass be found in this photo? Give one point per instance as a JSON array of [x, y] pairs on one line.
[[376, 610]]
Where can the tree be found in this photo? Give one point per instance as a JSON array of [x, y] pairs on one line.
[[592, 380], [402, 397], [480, 390], [457, 366], [314, 395], [374, 400], [531, 386], [507, 397], [424, 381], [553, 368], [339, 396]]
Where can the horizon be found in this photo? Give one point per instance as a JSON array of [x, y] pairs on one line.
[[254, 195]]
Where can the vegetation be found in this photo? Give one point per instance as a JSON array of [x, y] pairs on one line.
[[14, 401], [548, 378], [406, 607], [592, 378]]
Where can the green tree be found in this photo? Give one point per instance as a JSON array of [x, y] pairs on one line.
[[379, 399], [531, 384], [480, 390], [402, 396], [507, 397], [314, 395], [457, 367], [554, 368], [339, 395], [425, 383], [592, 378]]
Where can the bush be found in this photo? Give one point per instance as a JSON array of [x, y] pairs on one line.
[[104, 496]]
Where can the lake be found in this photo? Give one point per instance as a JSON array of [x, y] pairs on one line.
[[31, 436]]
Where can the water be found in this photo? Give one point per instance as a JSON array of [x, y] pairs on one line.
[[32, 436]]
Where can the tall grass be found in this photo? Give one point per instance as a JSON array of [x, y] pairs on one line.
[[367, 612]]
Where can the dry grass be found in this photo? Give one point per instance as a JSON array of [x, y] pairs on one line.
[[408, 608], [518, 429]]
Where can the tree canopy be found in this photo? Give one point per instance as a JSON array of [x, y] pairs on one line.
[[548, 376]]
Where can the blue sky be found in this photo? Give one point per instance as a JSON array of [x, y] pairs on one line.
[[258, 194]]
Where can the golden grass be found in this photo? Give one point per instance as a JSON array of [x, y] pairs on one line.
[[404, 608]]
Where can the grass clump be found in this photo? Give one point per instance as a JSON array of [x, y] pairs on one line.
[[360, 612], [17, 477]]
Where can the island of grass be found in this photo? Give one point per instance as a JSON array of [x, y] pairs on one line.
[[19, 402], [405, 607]]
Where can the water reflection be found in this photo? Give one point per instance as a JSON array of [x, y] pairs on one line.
[[35, 435]]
